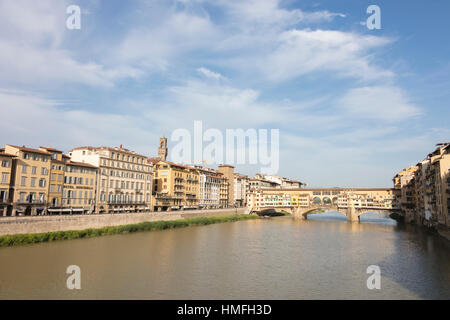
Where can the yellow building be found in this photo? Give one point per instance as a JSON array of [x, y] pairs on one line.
[[175, 186], [30, 177], [228, 173], [404, 176], [55, 186], [438, 182], [6, 163], [79, 187], [224, 192]]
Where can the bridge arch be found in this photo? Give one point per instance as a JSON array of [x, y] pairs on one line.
[[304, 212], [326, 201], [317, 201]]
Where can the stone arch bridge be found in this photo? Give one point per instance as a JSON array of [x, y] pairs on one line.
[[352, 213]]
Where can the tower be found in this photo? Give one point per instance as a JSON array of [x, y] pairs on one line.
[[162, 150], [228, 173]]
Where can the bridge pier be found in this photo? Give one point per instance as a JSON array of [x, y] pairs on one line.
[[352, 214], [297, 213]]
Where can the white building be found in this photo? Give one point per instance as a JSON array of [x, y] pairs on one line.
[[124, 182]]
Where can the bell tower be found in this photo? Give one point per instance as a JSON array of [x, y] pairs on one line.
[[162, 149]]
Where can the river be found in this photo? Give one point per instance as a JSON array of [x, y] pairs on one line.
[[325, 257]]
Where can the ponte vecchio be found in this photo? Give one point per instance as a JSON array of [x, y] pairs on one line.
[[301, 202]]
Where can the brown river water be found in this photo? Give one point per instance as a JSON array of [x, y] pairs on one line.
[[325, 257]]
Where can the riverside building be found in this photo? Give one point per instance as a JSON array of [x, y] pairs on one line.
[[425, 189], [124, 181], [30, 174], [6, 162], [176, 186]]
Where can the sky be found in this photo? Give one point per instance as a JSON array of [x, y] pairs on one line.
[[353, 106]]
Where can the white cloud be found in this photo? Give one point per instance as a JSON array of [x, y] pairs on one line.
[[29, 118], [295, 53], [385, 103], [210, 74], [32, 33]]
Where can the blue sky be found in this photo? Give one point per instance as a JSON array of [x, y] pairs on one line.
[[353, 105]]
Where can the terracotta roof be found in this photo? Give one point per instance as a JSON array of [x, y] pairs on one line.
[[3, 154], [178, 165], [153, 160], [226, 165], [23, 148], [51, 149], [81, 164]]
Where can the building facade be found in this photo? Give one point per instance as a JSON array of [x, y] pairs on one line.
[[30, 174], [6, 163], [176, 186], [364, 198], [425, 189], [209, 188], [124, 181], [228, 173]]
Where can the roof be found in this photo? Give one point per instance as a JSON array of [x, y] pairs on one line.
[[3, 154], [23, 148], [81, 164], [116, 149], [153, 160], [51, 149], [225, 165], [178, 165]]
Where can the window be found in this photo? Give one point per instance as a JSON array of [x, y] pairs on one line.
[[33, 182], [42, 183], [24, 168], [44, 171], [23, 181], [5, 177], [52, 188], [5, 163], [53, 177], [3, 195]]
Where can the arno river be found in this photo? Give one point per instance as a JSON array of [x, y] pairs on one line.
[[324, 257]]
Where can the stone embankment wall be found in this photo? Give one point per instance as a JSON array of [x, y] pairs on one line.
[[38, 224]]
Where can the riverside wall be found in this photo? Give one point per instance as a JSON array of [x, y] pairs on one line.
[[39, 224]]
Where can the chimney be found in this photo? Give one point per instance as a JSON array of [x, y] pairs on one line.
[[120, 146]]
